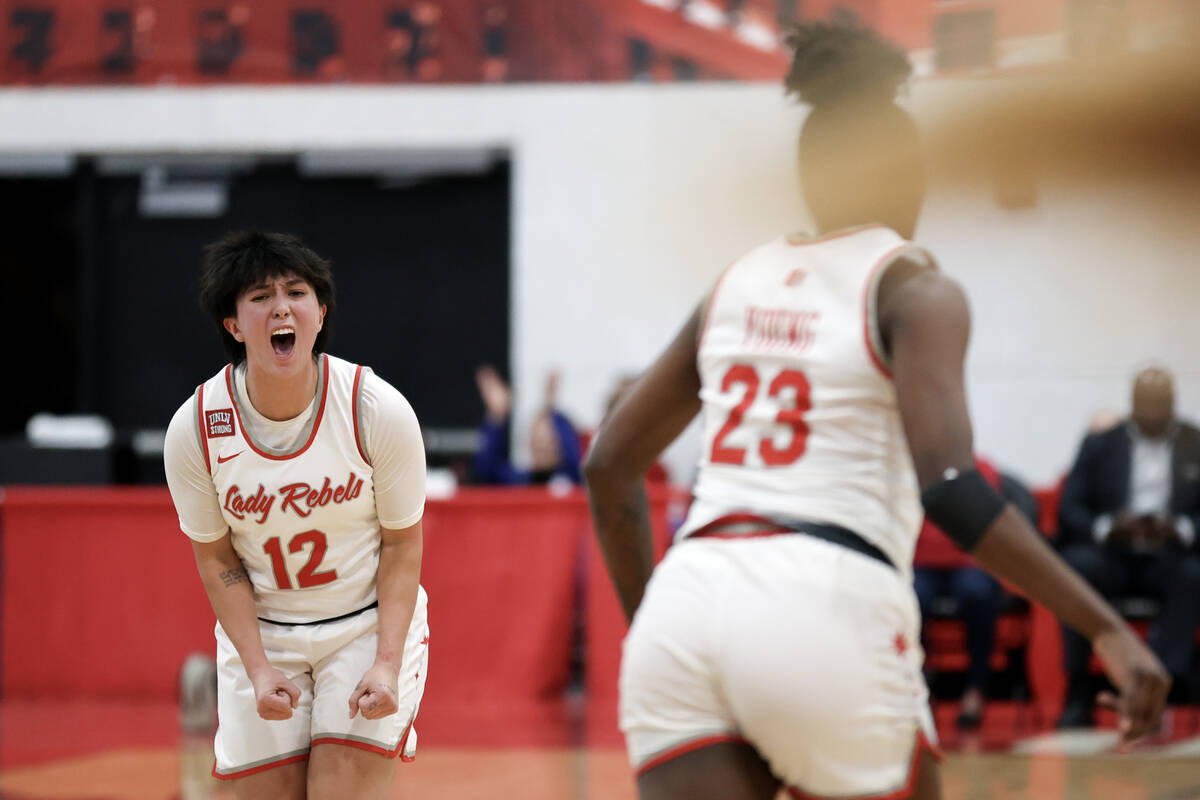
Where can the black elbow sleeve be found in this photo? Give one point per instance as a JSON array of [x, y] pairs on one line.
[[963, 505]]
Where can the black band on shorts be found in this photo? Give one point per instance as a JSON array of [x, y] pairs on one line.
[[845, 537], [323, 621], [963, 505], [834, 534]]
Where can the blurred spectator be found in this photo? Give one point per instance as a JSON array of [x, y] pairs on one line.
[[553, 442], [1129, 514], [495, 43], [1103, 420], [413, 47], [941, 569]]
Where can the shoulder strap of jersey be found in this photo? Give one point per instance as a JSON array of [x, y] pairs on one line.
[[871, 334], [357, 410], [200, 427]]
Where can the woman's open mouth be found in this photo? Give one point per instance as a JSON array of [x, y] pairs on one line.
[[283, 341]]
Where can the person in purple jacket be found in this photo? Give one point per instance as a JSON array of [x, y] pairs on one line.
[[553, 441]]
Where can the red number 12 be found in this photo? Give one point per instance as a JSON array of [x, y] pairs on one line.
[[308, 576]]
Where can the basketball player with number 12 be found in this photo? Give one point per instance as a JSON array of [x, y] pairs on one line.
[[300, 479]]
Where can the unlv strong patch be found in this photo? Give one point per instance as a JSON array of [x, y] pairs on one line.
[[220, 422]]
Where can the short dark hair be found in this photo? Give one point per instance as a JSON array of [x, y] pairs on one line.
[[238, 261]]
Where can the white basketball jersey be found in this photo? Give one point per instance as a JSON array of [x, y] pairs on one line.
[[800, 414], [303, 522]]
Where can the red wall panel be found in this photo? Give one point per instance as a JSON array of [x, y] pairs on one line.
[[100, 597]]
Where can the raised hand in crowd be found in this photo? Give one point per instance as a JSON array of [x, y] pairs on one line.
[[495, 393]]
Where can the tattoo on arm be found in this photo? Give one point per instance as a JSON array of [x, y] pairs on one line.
[[235, 575]]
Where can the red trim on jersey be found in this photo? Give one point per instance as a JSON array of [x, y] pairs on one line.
[[229, 776], [735, 519], [746, 535], [876, 272], [921, 745], [688, 747], [316, 423], [832, 235], [203, 430], [354, 412], [371, 748]]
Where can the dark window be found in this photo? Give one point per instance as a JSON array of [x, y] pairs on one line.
[[40, 291], [414, 41], [117, 50], [32, 27], [218, 41], [641, 58], [314, 39], [421, 268]]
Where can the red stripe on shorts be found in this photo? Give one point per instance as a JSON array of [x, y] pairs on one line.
[[922, 745], [370, 748], [260, 768]]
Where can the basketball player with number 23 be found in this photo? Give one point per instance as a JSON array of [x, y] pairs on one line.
[[300, 479], [776, 645]]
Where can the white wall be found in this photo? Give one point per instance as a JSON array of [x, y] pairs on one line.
[[630, 199]]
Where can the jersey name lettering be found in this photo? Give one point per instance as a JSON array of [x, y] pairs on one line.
[[258, 503], [780, 328], [293, 493], [300, 498]]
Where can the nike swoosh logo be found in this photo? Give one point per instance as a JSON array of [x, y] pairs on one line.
[[223, 459]]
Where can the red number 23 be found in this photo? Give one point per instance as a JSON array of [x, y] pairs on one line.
[[793, 417]]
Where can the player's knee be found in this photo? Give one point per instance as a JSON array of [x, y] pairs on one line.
[[337, 771]]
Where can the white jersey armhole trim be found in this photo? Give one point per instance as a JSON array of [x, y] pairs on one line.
[[199, 418], [871, 333], [357, 413]]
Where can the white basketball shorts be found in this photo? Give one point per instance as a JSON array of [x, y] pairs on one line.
[[806, 650], [326, 661]]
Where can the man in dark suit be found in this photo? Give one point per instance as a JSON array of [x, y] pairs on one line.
[[1129, 519]]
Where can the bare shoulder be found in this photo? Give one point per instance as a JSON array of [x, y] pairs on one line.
[[912, 292]]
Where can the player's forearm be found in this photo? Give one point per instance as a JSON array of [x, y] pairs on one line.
[[621, 516], [1012, 550], [232, 598], [396, 586]]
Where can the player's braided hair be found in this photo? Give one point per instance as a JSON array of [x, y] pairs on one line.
[[834, 63]]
